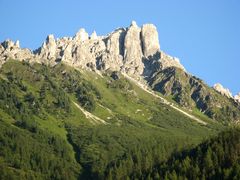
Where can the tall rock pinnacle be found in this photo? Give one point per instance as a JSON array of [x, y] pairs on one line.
[[133, 50], [49, 47], [150, 40], [81, 36]]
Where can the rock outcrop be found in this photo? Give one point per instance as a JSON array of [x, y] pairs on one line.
[[113, 57], [81, 36], [150, 41], [133, 50], [237, 98], [49, 48], [226, 92], [169, 61], [11, 50]]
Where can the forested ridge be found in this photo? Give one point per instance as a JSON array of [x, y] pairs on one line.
[[216, 158]]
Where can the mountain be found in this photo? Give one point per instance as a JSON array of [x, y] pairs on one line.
[[134, 51], [129, 50], [192, 93], [101, 107]]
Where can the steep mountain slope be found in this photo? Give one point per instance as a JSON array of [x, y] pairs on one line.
[[191, 92], [134, 51], [38, 112]]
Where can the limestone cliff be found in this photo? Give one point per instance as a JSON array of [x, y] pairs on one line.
[[226, 92], [237, 98], [133, 50]]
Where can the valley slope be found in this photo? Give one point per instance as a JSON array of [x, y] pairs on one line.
[[129, 130]]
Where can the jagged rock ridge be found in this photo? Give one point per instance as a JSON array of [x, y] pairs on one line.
[[224, 91], [237, 97], [132, 50]]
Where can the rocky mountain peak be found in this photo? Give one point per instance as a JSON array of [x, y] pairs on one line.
[[133, 50], [81, 36], [150, 40], [237, 97], [224, 91], [17, 44], [134, 24], [50, 39], [48, 49], [7, 44], [12, 50], [94, 35], [169, 61]]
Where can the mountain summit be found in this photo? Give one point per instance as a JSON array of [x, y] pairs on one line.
[[133, 51], [130, 50]]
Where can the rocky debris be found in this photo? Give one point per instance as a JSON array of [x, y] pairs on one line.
[[133, 50], [150, 40], [237, 98], [219, 88]]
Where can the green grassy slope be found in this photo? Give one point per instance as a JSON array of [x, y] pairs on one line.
[[38, 111]]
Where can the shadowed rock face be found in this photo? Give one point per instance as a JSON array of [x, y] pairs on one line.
[[131, 50]]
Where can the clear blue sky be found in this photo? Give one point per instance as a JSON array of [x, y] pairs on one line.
[[204, 34]]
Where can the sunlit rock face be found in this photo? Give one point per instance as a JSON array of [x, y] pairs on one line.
[[150, 41], [12, 50], [132, 50], [237, 98], [226, 92]]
